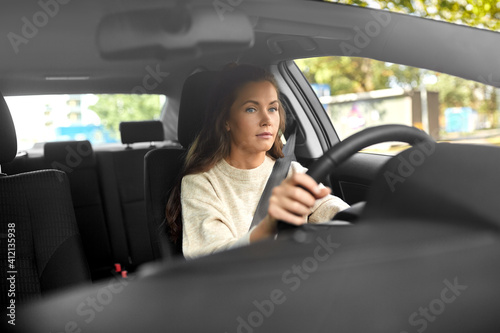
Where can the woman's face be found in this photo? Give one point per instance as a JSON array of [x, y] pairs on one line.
[[254, 118]]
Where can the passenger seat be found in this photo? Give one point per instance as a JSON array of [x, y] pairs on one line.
[[40, 246], [78, 161], [163, 166]]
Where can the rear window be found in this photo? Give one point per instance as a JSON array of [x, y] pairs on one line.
[[44, 118]]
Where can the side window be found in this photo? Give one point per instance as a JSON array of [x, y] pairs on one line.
[[358, 93], [96, 118]]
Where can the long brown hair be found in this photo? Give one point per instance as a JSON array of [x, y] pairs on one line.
[[213, 143]]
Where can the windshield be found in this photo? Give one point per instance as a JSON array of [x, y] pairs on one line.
[[483, 14]]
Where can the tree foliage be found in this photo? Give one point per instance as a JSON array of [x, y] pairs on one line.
[[113, 109], [348, 75], [475, 13]]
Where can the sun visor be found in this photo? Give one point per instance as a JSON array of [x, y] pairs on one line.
[[170, 32]]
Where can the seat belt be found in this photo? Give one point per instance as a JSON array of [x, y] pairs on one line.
[[280, 170]]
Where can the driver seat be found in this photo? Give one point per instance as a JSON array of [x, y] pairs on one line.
[[163, 165], [40, 246]]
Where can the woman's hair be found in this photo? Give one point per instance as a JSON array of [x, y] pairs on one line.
[[213, 143]]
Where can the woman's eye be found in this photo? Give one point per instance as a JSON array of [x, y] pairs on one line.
[[251, 110], [273, 109]]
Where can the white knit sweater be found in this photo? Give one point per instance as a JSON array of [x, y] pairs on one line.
[[218, 206]]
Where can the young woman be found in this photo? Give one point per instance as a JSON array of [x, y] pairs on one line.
[[228, 165]]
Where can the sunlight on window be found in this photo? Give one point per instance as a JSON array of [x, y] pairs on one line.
[[45, 118], [358, 93]]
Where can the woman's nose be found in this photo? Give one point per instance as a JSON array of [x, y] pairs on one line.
[[266, 118]]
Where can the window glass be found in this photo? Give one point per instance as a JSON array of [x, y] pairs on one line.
[[358, 93], [96, 118], [484, 14]]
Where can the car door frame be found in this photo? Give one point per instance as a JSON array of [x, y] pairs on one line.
[[351, 181]]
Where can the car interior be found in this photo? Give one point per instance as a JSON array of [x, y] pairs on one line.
[[88, 221]]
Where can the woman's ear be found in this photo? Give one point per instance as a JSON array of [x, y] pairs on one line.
[[227, 126]]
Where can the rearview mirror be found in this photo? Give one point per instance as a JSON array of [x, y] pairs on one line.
[[171, 32]]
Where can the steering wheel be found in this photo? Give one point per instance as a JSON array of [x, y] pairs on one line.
[[340, 152]]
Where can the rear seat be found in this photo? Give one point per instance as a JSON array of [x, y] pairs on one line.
[[78, 160], [107, 188], [121, 174]]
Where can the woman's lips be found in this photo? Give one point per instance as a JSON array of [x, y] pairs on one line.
[[265, 135]]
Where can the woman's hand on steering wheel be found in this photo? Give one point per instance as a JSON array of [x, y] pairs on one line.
[[290, 201], [293, 199]]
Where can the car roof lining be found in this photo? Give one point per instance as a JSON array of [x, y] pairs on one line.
[[281, 33]]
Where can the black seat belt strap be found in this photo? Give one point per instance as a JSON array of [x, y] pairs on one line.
[[280, 170]]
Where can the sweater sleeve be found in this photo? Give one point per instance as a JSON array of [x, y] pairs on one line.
[[205, 222], [325, 208]]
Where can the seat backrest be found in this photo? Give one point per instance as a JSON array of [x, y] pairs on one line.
[[163, 166], [40, 246], [161, 169], [78, 160], [121, 174]]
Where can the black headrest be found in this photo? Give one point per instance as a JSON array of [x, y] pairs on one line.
[[141, 131], [195, 97], [8, 139], [69, 155]]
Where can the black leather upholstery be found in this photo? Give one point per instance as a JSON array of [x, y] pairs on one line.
[[141, 131], [162, 166], [37, 212]]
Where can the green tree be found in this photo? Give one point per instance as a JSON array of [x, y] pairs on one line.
[[475, 13], [348, 75], [113, 109]]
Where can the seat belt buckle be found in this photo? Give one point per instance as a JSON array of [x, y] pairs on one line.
[[118, 269]]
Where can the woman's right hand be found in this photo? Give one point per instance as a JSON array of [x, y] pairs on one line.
[[291, 201]]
